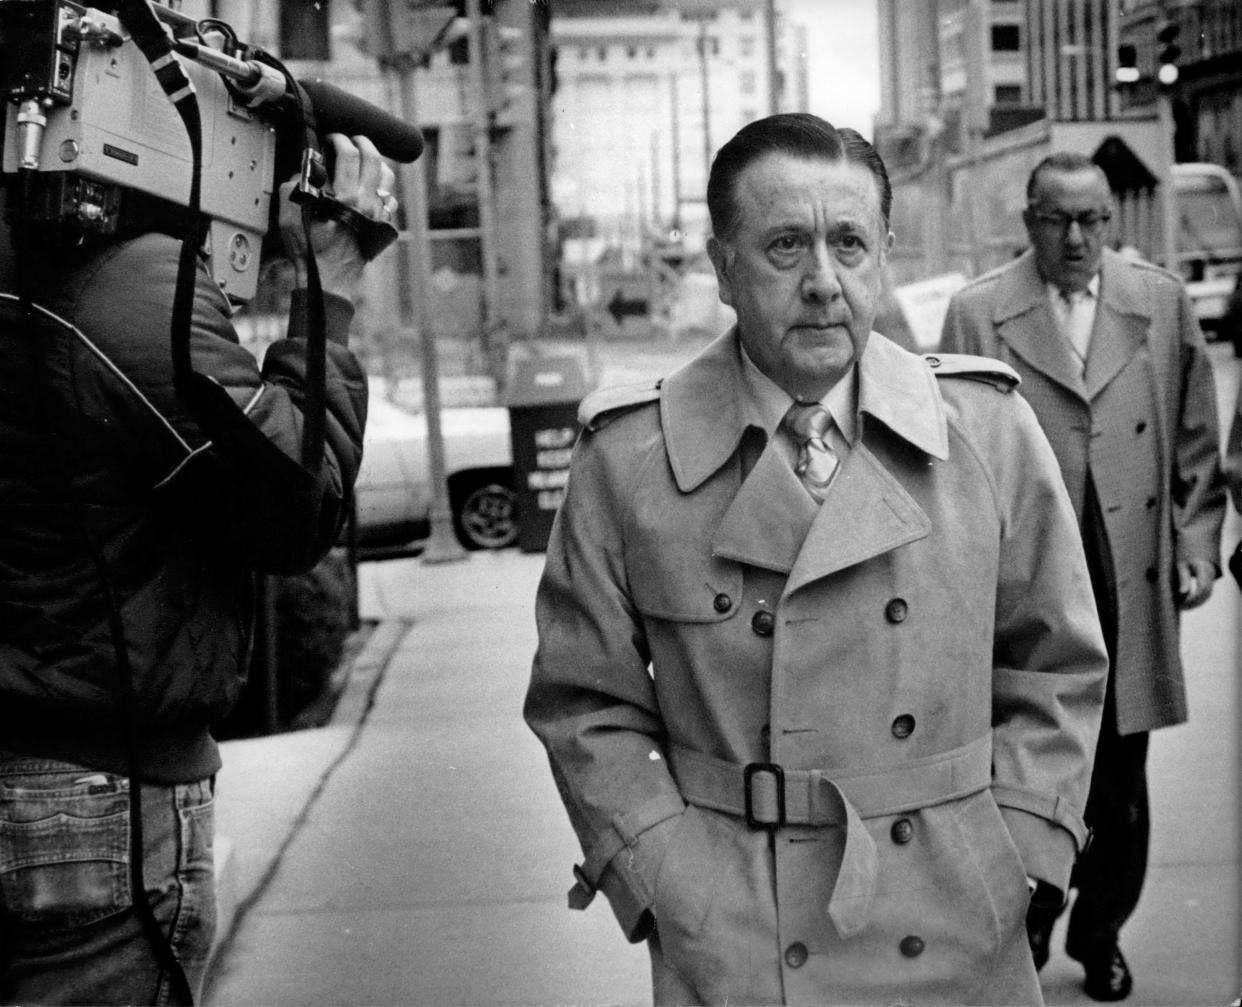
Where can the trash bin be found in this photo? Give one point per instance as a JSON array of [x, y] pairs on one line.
[[543, 398]]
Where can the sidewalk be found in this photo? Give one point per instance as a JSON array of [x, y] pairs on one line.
[[414, 850], [430, 857]]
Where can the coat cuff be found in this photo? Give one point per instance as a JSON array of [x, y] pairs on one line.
[[1047, 849], [338, 313], [625, 861]]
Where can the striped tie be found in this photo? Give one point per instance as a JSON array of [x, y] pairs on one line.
[[817, 462]]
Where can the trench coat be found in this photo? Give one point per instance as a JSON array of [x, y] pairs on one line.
[[812, 753], [1142, 420]]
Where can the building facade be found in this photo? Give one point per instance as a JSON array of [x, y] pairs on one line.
[[646, 92]]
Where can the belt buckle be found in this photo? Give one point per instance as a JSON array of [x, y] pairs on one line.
[[748, 774]]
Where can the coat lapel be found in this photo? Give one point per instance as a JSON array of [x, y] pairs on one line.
[[1025, 323], [768, 520], [866, 513], [1121, 322]]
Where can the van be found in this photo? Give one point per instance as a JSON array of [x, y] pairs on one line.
[[1209, 239]]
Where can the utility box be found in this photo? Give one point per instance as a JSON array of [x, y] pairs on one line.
[[543, 398]]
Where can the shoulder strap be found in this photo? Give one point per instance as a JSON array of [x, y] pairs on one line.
[[604, 405], [992, 372]]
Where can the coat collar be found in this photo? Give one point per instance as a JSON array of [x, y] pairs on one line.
[[1024, 321], [703, 421]]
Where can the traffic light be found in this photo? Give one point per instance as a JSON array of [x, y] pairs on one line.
[[1170, 53], [1127, 65]]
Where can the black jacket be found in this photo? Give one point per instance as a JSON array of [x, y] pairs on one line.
[[115, 499]]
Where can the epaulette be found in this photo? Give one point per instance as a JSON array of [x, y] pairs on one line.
[[604, 405], [999, 375]]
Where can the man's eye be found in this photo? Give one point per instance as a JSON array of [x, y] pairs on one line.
[[786, 243], [850, 242]]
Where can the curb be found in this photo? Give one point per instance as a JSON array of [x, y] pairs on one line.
[[358, 680]]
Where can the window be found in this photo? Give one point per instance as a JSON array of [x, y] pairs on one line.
[[631, 52], [1006, 38], [1007, 94], [746, 82], [746, 46], [602, 53]]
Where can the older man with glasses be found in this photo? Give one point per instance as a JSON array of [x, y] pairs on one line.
[[1114, 364]]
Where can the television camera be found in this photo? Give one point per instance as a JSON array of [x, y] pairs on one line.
[[87, 118]]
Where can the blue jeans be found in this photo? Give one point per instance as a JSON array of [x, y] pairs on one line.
[[68, 934]]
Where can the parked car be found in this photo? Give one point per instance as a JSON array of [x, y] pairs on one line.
[[393, 490], [1209, 241]]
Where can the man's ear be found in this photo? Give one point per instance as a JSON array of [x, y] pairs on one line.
[[718, 252], [1028, 219]]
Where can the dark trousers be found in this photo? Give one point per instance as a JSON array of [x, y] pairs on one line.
[[1109, 875]]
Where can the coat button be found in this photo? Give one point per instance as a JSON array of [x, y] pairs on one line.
[[1142, 425], [1151, 502], [1151, 575], [895, 611], [763, 623], [912, 946], [932, 361], [902, 831], [795, 955], [903, 726], [722, 603]]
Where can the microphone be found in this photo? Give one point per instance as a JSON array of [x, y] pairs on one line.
[[338, 111]]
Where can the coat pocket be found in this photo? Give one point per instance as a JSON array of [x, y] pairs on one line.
[[675, 585]]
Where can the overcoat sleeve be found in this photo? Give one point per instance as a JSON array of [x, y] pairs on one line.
[[1049, 661], [1198, 486], [591, 699]]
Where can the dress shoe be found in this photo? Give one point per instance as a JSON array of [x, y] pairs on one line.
[[1039, 924], [1108, 975]]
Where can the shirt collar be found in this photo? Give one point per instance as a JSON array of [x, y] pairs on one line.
[[766, 403], [1092, 290]]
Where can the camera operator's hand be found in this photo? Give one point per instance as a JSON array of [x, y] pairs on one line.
[[361, 180]]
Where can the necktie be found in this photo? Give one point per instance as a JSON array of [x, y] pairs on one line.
[[816, 462], [1075, 323]]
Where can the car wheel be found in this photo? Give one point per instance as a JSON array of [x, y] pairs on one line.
[[486, 516]]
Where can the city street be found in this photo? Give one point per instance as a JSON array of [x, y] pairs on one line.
[[432, 860]]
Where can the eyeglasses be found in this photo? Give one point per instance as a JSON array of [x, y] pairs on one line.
[[1091, 221]]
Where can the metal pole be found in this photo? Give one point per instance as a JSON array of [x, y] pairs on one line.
[[442, 545], [707, 108], [1168, 200], [675, 145], [487, 194], [773, 72]]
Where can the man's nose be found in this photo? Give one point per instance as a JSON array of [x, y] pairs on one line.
[[820, 282], [1074, 233]]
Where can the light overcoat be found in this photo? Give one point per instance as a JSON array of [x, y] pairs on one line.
[[919, 655], [1142, 420]]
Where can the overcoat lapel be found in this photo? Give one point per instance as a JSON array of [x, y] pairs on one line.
[[768, 520], [866, 513], [1121, 323], [1025, 324]]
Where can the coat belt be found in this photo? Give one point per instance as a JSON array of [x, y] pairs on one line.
[[769, 796]]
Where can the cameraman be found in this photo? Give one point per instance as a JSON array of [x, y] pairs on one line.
[[129, 540]]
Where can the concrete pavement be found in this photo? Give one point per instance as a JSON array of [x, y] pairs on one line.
[[431, 860]]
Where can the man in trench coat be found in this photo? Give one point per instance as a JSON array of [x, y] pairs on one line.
[[1121, 382], [818, 752]]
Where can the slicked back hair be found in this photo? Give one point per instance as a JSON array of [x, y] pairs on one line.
[[1063, 160], [797, 134]]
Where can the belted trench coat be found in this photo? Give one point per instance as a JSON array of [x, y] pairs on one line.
[[917, 660], [1142, 423]]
